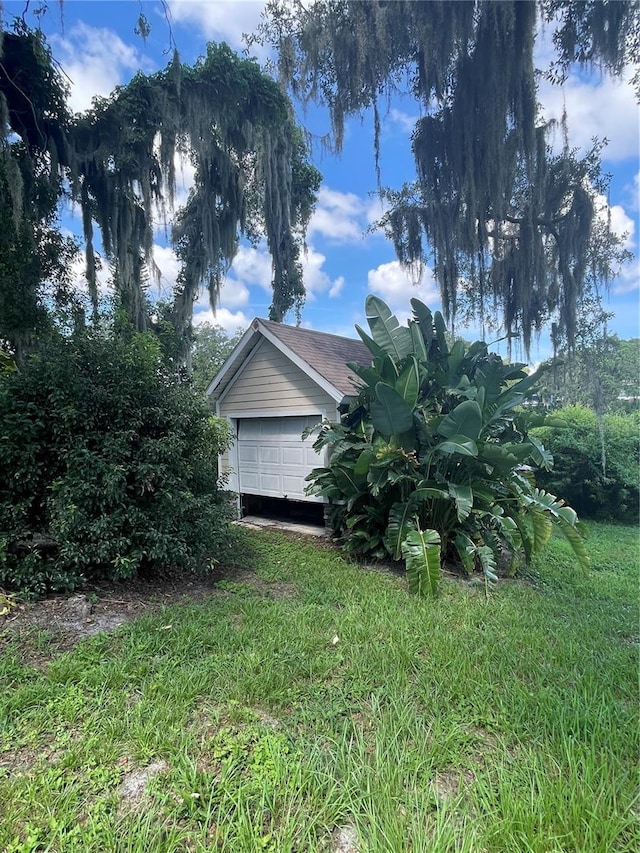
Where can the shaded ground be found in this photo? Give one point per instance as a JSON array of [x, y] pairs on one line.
[[56, 624]]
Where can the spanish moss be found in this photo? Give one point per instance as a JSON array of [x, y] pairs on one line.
[[490, 201]]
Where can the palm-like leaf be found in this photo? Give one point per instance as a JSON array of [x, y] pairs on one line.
[[465, 419], [421, 551], [538, 502], [386, 331], [408, 384], [466, 551], [463, 496], [401, 521], [488, 562], [390, 414]]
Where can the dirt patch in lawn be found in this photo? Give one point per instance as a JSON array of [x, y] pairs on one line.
[[46, 628]]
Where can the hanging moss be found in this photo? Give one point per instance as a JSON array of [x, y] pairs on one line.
[[236, 126], [487, 202], [231, 120]]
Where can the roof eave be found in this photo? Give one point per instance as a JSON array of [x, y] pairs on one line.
[[227, 372]]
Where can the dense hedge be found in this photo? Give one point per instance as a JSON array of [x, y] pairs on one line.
[[108, 465], [577, 474]]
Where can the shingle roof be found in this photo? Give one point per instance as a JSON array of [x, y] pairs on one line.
[[326, 354]]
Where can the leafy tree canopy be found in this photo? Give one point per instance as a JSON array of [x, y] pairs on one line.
[[601, 374], [491, 207], [117, 161], [210, 349]]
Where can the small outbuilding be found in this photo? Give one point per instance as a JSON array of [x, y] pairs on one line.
[[278, 381]]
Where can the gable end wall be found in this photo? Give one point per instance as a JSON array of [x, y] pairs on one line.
[[273, 385]]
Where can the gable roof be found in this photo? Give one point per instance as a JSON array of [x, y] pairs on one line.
[[322, 356]]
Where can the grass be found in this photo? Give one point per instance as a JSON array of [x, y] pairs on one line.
[[269, 715]]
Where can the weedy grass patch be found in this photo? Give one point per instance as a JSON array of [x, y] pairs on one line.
[[251, 721]]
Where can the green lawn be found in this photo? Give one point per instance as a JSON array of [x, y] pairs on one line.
[[317, 695]]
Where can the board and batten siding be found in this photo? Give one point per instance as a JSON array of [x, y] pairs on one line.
[[270, 384]]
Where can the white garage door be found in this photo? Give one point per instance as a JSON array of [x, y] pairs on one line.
[[272, 458]]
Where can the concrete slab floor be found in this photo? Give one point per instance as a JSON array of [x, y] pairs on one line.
[[258, 522]]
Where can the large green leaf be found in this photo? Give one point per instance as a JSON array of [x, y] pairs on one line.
[[401, 521], [347, 481], [465, 420], [488, 562], [539, 503], [463, 497], [386, 331], [497, 456], [539, 454], [408, 384], [390, 414], [466, 551], [424, 318], [455, 359], [419, 348], [441, 333], [386, 367], [361, 468], [421, 551], [458, 444], [524, 386], [374, 348]]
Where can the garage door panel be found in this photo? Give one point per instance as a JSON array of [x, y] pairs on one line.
[[293, 455], [269, 483], [311, 458], [247, 453], [269, 455], [272, 458], [291, 486], [249, 482]]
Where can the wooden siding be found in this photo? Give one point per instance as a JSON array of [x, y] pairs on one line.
[[273, 385]]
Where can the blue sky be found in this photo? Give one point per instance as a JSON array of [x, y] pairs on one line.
[[96, 46]]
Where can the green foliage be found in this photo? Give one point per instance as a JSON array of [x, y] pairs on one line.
[[578, 474], [210, 349], [117, 161], [434, 459], [603, 375], [108, 465]]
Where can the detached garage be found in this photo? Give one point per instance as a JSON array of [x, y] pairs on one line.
[[278, 381]]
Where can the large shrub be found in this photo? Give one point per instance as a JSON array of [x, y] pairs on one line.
[[598, 485], [434, 460], [108, 464]]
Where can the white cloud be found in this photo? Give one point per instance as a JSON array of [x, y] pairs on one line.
[[405, 122], [607, 108], [396, 287], [339, 217], [233, 294], [224, 20], [624, 226], [336, 287], [316, 280], [168, 266], [185, 175], [229, 320], [252, 266], [344, 217], [96, 60], [633, 193]]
